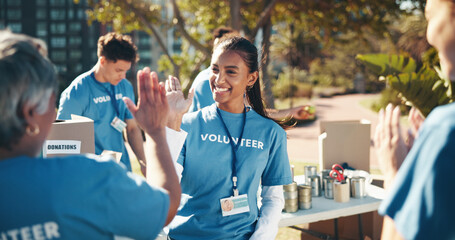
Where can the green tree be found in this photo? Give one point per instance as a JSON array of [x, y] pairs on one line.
[[196, 19]]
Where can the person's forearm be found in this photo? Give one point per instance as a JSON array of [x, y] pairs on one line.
[[389, 232], [270, 213], [161, 170], [175, 121], [136, 142], [279, 114]]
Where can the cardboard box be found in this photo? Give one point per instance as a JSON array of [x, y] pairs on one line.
[[69, 137], [348, 228], [345, 141]]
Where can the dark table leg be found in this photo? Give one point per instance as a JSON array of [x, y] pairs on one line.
[[335, 226], [360, 227]]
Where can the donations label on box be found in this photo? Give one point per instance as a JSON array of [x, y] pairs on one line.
[[69, 137], [62, 147]]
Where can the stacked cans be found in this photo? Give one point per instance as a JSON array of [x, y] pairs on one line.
[[309, 171], [304, 196], [315, 183], [290, 197], [324, 173], [328, 185]]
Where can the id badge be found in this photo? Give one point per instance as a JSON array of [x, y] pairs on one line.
[[118, 124], [234, 205]]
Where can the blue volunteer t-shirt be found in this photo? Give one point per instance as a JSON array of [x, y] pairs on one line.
[[202, 92], [421, 200], [207, 175], [77, 197], [90, 98]]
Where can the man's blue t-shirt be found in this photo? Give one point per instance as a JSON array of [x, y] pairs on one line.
[[77, 197], [421, 200], [202, 92], [90, 98], [207, 175]]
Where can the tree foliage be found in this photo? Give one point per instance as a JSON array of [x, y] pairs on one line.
[[314, 24], [423, 88]]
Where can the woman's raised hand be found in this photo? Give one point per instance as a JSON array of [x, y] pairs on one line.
[[177, 103]]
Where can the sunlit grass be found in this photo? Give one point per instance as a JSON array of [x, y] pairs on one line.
[[286, 103]]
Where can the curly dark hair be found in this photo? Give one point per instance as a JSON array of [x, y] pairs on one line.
[[115, 46]]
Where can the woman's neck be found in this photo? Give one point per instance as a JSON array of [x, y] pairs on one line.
[[234, 108]]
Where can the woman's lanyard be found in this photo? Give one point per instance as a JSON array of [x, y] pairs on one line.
[[234, 148], [111, 94]]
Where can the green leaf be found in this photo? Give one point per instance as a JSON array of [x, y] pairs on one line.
[[385, 64], [424, 89]]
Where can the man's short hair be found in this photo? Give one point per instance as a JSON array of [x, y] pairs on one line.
[[115, 46]]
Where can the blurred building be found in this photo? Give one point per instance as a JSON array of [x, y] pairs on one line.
[[71, 42]]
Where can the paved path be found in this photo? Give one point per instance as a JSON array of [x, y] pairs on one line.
[[303, 139]]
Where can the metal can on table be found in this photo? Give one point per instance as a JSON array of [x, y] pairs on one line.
[[290, 197], [328, 183], [309, 171], [324, 173], [358, 187], [304, 196], [315, 183]]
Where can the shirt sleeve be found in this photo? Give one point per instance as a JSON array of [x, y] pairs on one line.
[[134, 208], [277, 170], [175, 141], [270, 213], [130, 95], [71, 102], [421, 198]]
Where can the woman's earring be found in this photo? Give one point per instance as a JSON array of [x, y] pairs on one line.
[[31, 132]]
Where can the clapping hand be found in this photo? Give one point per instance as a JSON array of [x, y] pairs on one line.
[[151, 112], [177, 102], [415, 120], [391, 149]]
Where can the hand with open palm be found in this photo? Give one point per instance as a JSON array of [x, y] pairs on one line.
[[177, 102], [152, 110], [391, 148]]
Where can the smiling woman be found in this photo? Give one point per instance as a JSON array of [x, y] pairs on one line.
[[229, 78], [250, 151]]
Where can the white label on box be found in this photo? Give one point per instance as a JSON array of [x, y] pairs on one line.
[[62, 147]]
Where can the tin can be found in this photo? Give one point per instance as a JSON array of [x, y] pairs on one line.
[[304, 190], [304, 205], [304, 196], [358, 187], [341, 191], [290, 197], [324, 173], [315, 183], [328, 183], [309, 171]]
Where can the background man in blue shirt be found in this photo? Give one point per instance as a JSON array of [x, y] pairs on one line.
[[98, 93]]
